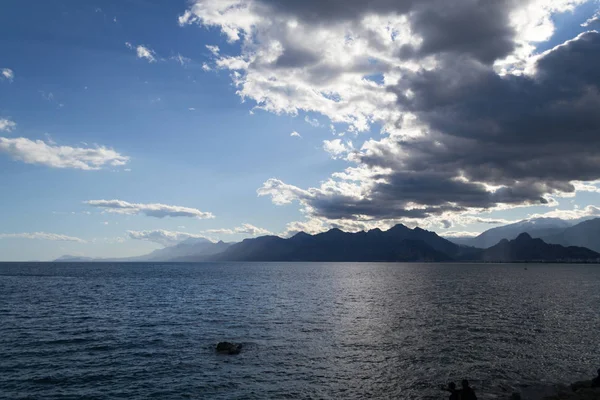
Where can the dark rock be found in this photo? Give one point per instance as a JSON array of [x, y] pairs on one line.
[[580, 385], [580, 394], [229, 348]]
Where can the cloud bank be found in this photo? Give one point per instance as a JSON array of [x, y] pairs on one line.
[[244, 229], [163, 237], [41, 236], [472, 118], [155, 210], [51, 155]]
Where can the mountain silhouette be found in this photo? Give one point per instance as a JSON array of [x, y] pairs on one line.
[[537, 227], [526, 248], [396, 244]]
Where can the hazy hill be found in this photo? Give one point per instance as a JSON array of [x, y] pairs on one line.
[[584, 234], [190, 249], [538, 227]]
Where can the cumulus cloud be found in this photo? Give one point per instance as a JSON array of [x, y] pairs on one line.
[[336, 148], [51, 155], [244, 229], [41, 236], [143, 52], [471, 118], [7, 74], [6, 125], [163, 237], [151, 210], [296, 134]]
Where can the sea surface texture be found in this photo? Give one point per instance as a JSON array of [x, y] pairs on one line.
[[309, 330]]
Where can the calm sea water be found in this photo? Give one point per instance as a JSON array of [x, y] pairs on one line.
[[309, 330]]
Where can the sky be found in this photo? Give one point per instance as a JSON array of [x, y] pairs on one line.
[[130, 125]]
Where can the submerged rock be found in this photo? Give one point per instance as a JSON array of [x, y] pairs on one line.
[[228, 348]]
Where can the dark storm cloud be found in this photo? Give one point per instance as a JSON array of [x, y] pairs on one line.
[[476, 27], [501, 129], [532, 135], [438, 192]]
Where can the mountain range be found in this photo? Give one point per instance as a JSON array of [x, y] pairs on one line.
[[398, 244], [584, 233], [526, 248]]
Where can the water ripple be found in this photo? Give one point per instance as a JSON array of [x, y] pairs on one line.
[[309, 331]]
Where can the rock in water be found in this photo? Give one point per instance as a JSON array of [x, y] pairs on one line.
[[228, 348]]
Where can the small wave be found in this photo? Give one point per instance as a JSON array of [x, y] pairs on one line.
[[49, 380]]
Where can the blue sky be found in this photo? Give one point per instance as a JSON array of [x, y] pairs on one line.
[[129, 78]]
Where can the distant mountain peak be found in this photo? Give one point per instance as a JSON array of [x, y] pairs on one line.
[[195, 240], [524, 237], [300, 235], [398, 227]]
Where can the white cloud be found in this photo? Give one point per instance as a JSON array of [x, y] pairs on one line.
[[336, 148], [232, 63], [460, 234], [213, 49], [191, 109], [7, 74], [206, 67], [163, 237], [312, 121], [6, 125], [576, 213], [282, 193], [244, 229], [41, 236], [40, 152], [156, 210], [296, 134], [143, 52], [181, 59]]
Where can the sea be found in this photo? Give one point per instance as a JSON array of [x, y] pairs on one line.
[[308, 330]]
